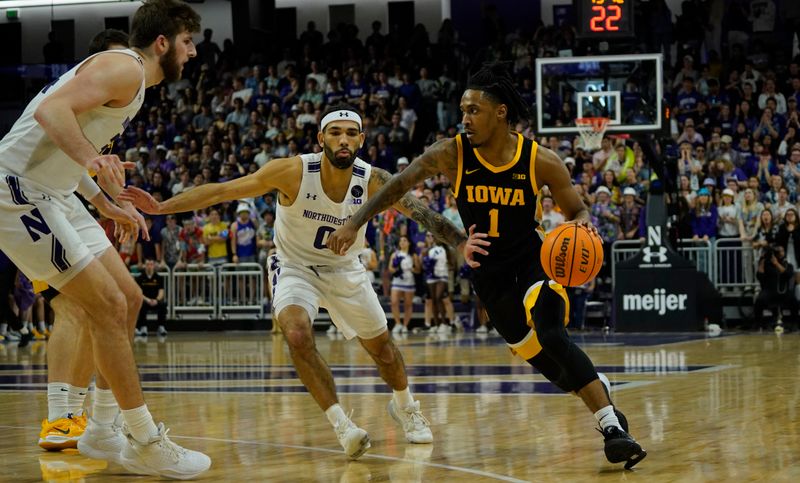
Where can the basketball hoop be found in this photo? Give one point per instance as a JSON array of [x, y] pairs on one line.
[[591, 130]]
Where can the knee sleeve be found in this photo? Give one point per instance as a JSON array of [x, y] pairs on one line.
[[548, 318], [550, 369]]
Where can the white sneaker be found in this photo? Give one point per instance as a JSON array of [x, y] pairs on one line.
[[143, 331], [162, 331], [403, 329], [414, 424], [481, 330], [102, 442], [494, 332], [161, 457], [332, 329], [396, 328], [444, 329], [354, 440]]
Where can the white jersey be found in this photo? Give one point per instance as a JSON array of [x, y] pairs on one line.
[[403, 271], [27, 151], [302, 229], [439, 254]]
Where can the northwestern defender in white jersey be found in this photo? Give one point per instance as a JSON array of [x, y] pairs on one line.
[[66, 131], [318, 193]]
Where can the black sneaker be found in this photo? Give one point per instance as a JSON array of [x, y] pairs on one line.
[[24, 339], [620, 446]]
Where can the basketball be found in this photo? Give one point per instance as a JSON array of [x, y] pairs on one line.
[[572, 255]]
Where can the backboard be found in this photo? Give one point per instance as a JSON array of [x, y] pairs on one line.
[[627, 89]]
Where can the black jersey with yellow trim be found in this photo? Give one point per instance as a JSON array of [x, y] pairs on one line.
[[501, 201]]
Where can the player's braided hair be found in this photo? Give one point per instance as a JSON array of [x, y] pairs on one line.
[[493, 79]]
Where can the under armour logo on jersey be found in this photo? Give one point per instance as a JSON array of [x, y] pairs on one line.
[[309, 196], [659, 253]]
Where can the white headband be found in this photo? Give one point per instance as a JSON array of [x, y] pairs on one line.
[[341, 115]]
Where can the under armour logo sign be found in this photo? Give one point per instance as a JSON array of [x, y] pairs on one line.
[[344, 114], [652, 252], [309, 196]]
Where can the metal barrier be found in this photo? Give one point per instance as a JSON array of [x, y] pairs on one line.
[[166, 276], [735, 261], [698, 251], [194, 291], [241, 290]]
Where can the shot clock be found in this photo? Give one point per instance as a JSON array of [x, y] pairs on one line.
[[604, 19]]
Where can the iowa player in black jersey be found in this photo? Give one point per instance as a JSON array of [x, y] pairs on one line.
[[497, 176]]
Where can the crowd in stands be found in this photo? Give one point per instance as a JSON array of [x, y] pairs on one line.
[[735, 111]]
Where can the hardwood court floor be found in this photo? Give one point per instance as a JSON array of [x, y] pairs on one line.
[[722, 409]]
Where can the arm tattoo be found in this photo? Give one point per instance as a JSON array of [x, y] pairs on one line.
[[440, 157], [442, 228]]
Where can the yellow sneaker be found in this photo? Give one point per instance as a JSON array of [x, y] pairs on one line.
[[80, 420], [60, 434], [47, 333], [38, 335]]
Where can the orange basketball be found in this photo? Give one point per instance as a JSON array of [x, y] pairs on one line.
[[571, 255]]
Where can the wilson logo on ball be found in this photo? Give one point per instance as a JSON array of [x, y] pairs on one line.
[[561, 258]]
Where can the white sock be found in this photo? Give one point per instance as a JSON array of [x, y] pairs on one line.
[[41, 326], [57, 400], [403, 398], [606, 417], [140, 423], [3, 328], [76, 397], [105, 407], [335, 414]]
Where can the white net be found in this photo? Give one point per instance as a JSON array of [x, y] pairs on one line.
[[591, 130]]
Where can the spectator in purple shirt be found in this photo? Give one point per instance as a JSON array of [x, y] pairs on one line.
[[704, 216]]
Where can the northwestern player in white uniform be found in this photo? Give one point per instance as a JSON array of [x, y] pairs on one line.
[[49, 235], [317, 193]]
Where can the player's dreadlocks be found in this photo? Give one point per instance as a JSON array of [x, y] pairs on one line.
[[493, 79]]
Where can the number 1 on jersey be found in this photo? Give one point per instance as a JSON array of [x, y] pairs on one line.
[[494, 215]]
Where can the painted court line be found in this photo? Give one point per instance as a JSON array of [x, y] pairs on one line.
[[367, 455], [460, 469]]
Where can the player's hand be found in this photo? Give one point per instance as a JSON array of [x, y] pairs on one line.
[[473, 245], [140, 199], [342, 239], [125, 224], [142, 226], [110, 169], [589, 226]]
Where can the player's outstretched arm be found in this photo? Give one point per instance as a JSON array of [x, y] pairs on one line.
[[551, 171], [441, 157], [278, 174], [442, 228]]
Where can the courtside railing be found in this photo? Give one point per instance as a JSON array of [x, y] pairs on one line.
[[241, 290], [206, 291], [700, 252]]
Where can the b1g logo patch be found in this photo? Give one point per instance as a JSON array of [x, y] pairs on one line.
[[357, 192]]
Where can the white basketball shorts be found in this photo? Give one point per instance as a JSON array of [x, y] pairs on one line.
[[48, 237], [346, 292]]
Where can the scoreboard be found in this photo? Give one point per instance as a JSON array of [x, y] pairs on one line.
[[604, 19]]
